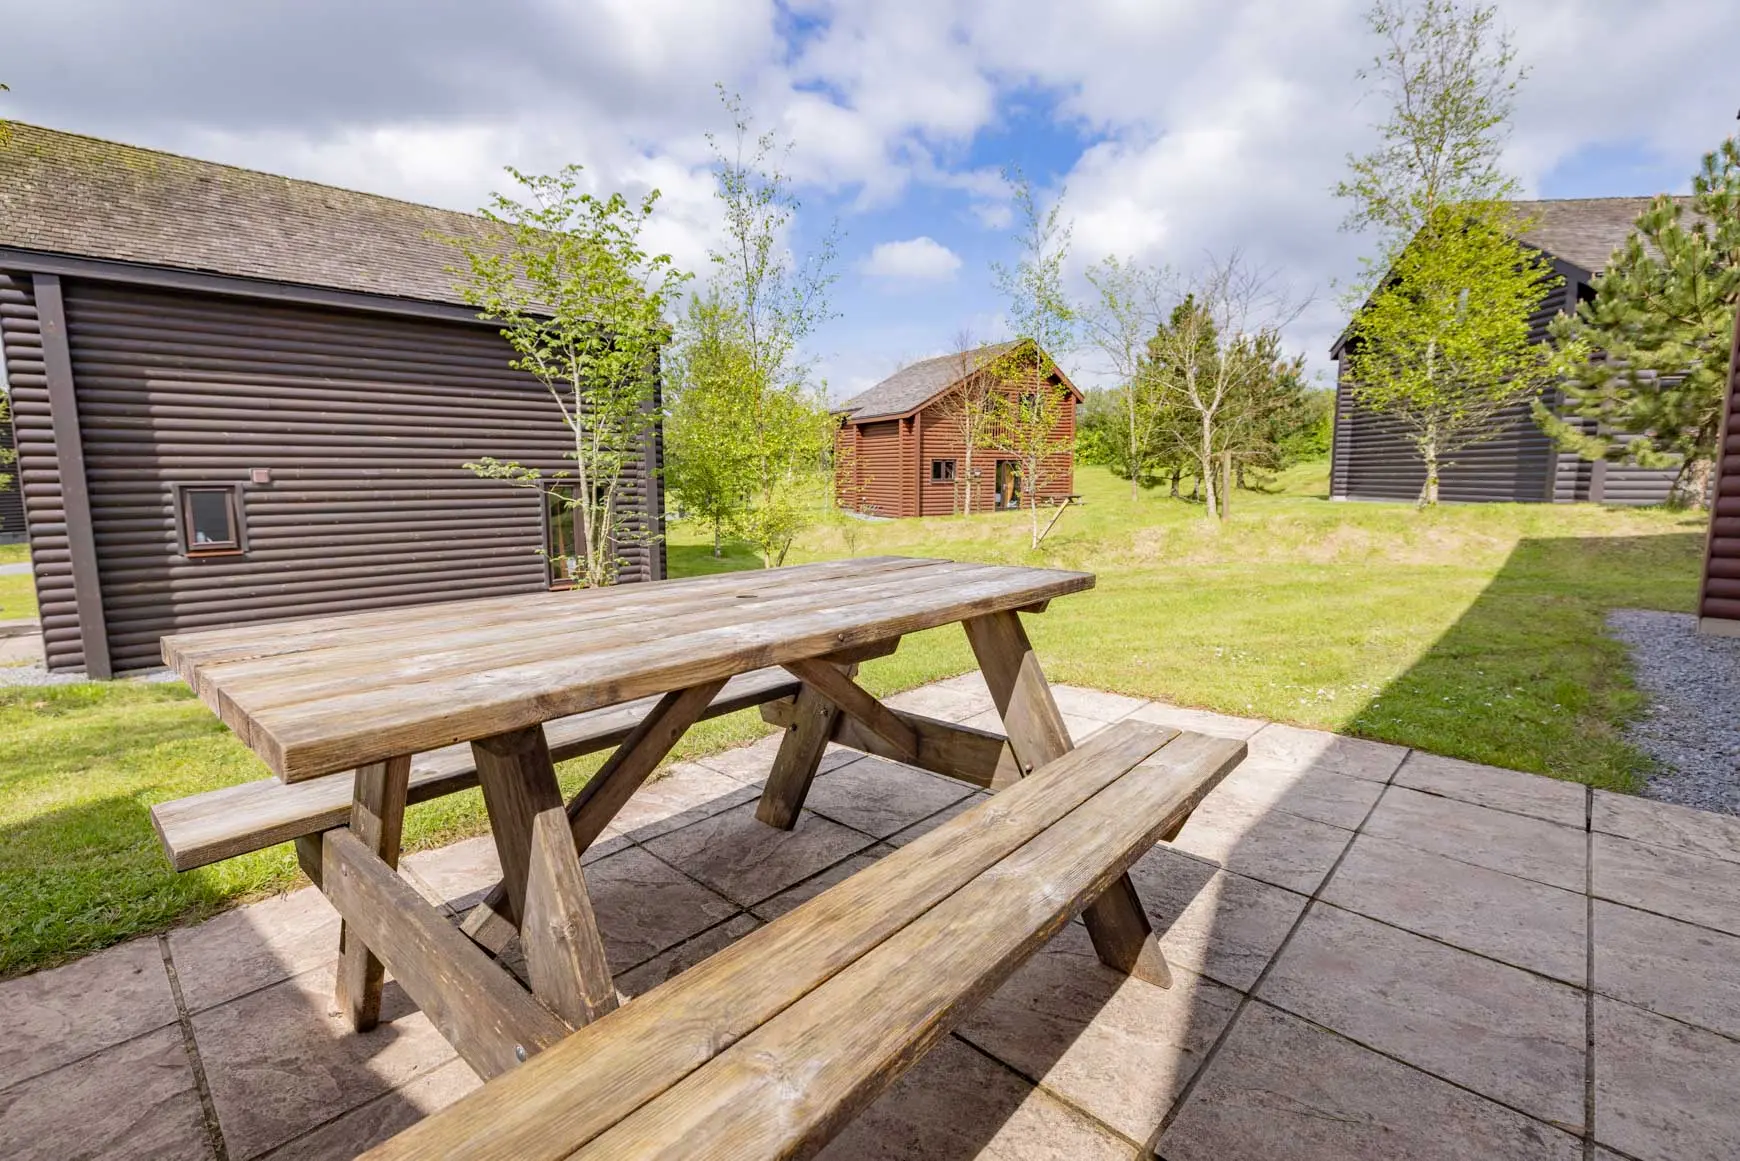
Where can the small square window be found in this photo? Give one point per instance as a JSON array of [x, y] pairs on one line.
[[210, 520], [942, 471]]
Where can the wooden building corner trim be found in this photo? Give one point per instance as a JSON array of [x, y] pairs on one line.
[[69, 455]]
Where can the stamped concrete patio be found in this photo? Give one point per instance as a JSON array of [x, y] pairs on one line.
[[1379, 953]]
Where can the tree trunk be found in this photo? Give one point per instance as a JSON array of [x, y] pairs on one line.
[[718, 539], [1429, 490], [1177, 476], [1226, 476], [1207, 458]]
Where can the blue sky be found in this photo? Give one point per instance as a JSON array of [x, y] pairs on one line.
[[1182, 131]]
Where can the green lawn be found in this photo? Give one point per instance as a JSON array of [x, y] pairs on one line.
[[17, 594], [1471, 631]]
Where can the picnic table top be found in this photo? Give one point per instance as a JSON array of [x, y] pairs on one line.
[[316, 696]]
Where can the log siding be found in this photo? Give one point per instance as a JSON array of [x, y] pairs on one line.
[[346, 432]]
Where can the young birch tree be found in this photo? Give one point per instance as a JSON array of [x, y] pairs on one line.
[[582, 305], [966, 412], [1027, 410], [1440, 343], [781, 419], [1126, 311], [708, 470]]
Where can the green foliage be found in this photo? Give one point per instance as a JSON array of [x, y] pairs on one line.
[[1649, 356], [583, 307], [768, 431], [1443, 346], [1448, 75], [1024, 416]]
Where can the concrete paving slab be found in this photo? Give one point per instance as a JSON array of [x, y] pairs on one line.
[[252, 947], [1667, 824], [747, 861], [1271, 845], [1281, 1088], [1096, 704], [679, 959], [686, 792], [877, 797], [1504, 1033], [60, 1015], [363, 1128], [1676, 969], [1210, 921], [133, 1102], [1119, 1049], [644, 906], [1495, 839], [1200, 721], [1695, 888], [1664, 1091], [1292, 748], [1310, 793], [1565, 803], [956, 1104], [1518, 921]]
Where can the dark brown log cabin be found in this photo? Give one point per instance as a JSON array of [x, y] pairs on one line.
[[239, 397], [1370, 460], [899, 449], [1719, 603]]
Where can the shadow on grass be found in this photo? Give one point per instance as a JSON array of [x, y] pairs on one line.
[[1528, 677]]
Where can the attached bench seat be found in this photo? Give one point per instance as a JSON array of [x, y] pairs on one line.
[[206, 828], [771, 1046]]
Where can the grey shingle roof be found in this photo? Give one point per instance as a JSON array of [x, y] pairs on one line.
[[1583, 231], [65, 193], [913, 386]]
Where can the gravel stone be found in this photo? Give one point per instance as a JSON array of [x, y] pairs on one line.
[[36, 674], [1691, 727]]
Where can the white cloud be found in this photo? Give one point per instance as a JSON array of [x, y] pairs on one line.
[[921, 259]]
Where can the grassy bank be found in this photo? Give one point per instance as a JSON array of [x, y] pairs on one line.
[[1475, 632]]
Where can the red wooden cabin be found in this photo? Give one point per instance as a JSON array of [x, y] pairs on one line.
[[900, 451]]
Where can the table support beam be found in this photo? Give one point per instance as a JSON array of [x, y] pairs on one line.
[[564, 953], [799, 757], [492, 922], [851, 697], [970, 755], [490, 1020], [377, 821], [1116, 921]]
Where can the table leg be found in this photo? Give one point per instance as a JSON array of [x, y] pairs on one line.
[[544, 889], [800, 755], [377, 819], [1122, 936]]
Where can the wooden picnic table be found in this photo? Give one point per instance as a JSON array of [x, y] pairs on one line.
[[368, 691]]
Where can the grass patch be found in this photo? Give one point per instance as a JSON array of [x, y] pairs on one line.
[[17, 596], [1472, 631]]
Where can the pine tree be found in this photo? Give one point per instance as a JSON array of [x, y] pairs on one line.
[[1649, 356]]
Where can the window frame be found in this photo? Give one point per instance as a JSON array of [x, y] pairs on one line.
[[948, 477], [237, 545], [553, 572]]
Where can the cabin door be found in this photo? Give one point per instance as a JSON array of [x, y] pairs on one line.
[[1008, 485]]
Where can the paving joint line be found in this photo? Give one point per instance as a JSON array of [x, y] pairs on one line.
[[1248, 996], [208, 1107], [1060, 1098]]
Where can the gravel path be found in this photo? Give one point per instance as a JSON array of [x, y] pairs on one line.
[[34, 674], [1693, 727]]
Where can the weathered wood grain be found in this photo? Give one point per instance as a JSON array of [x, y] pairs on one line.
[[205, 828], [1122, 936], [377, 820], [855, 1034], [947, 748], [519, 783], [564, 954], [799, 757], [853, 699], [305, 712], [481, 1010], [578, 1090], [490, 924]]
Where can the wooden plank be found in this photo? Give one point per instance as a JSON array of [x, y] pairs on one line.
[[488, 1018], [786, 1088], [947, 748], [407, 713], [490, 924], [377, 820], [800, 755], [218, 824], [1018, 687], [201, 648], [1122, 935], [564, 954], [579, 1089], [582, 1086], [852, 698], [519, 783]]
